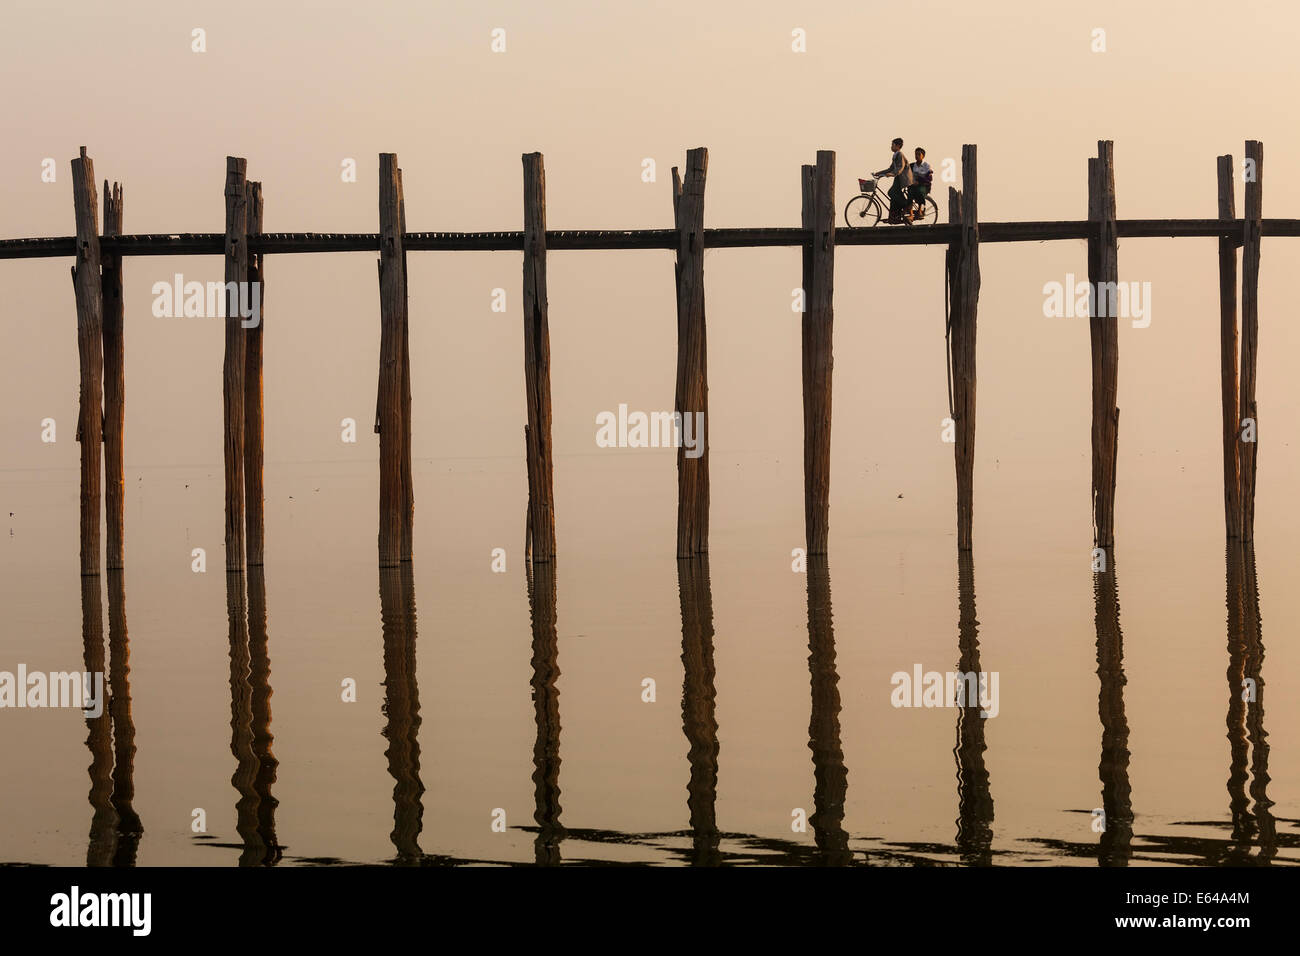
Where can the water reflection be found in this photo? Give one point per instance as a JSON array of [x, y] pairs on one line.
[[974, 796], [1115, 847], [1248, 836], [401, 710], [129, 828], [699, 720], [830, 776], [546, 708], [99, 738], [250, 718], [1246, 735], [115, 827]]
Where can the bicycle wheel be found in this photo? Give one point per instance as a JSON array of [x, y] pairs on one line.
[[929, 213], [862, 210]]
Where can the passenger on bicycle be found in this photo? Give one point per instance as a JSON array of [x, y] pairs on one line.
[[902, 173], [922, 179]]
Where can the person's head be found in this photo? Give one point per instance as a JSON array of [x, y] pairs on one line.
[[920, 154], [897, 144]]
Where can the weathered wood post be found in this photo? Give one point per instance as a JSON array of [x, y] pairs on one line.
[[233, 369], [1228, 352], [1103, 274], [254, 493], [691, 403], [819, 279], [114, 380], [1250, 331], [389, 419], [537, 364], [964, 287], [87, 286], [408, 478]]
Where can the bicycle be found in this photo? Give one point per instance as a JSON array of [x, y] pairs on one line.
[[867, 208]]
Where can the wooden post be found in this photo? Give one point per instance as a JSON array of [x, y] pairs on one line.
[[1103, 274], [964, 266], [1228, 353], [692, 398], [819, 275], [254, 493], [537, 364], [408, 479], [233, 369], [392, 298], [90, 346], [114, 380], [1250, 330]]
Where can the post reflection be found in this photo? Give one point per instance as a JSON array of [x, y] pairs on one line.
[[699, 720], [102, 845], [250, 718], [401, 710], [974, 796], [1247, 739], [129, 827], [830, 776], [115, 827], [540, 580], [1115, 847]]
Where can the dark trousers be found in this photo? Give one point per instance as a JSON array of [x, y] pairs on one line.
[[897, 199]]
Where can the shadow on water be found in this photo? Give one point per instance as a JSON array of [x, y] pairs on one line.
[[250, 719], [401, 710], [115, 828], [974, 796]]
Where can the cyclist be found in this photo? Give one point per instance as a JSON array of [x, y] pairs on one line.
[[922, 179], [902, 173]]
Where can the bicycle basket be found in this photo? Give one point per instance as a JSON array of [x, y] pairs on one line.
[[867, 185]]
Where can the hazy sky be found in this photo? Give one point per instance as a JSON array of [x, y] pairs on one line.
[[598, 87]]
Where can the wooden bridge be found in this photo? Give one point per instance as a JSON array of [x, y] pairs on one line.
[[97, 279]]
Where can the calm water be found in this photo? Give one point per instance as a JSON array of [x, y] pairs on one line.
[[480, 692]]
